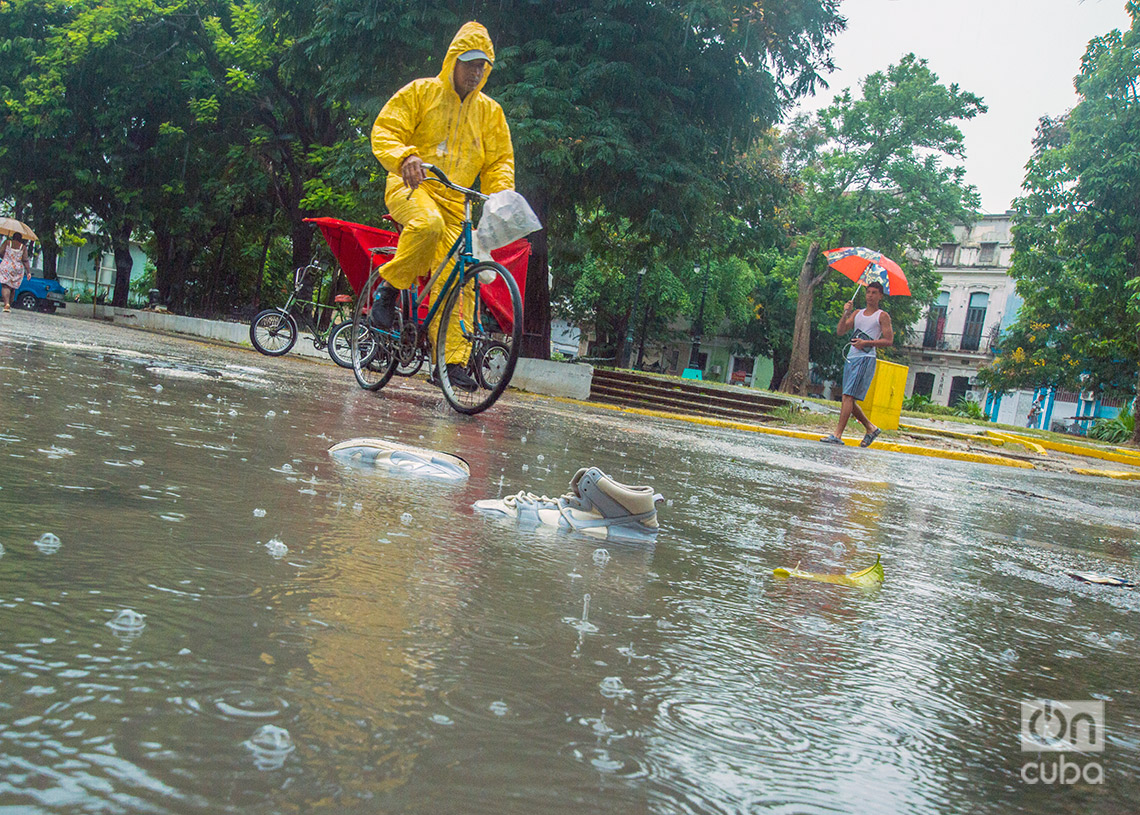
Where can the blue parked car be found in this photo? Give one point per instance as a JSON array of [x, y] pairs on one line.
[[40, 293]]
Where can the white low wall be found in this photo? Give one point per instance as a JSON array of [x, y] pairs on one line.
[[568, 379]]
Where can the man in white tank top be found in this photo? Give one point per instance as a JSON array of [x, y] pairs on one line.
[[872, 329]]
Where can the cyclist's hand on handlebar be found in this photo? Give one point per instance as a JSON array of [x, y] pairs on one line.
[[412, 171]]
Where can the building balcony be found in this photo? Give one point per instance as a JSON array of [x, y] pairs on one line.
[[968, 343]]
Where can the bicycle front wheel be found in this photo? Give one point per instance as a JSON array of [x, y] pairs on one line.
[[340, 344], [479, 338], [273, 332], [371, 352]]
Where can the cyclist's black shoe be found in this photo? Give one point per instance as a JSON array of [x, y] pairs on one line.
[[384, 308], [460, 379]]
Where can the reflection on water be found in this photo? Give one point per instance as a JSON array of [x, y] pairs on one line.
[[202, 611]]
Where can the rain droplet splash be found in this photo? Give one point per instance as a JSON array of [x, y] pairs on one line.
[[406, 518], [277, 548], [270, 746], [48, 543], [259, 513], [127, 623], [602, 557]]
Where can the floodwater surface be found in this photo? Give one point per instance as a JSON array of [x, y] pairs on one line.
[[201, 611]]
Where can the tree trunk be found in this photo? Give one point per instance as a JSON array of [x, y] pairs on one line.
[[796, 379], [121, 246], [536, 303], [49, 246]]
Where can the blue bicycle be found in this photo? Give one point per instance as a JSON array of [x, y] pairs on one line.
[[480, 321]]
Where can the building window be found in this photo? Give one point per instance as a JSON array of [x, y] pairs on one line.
[[946, 254], [975, 317], [923, 384], [988, 255], [958, 387], [936, 322]]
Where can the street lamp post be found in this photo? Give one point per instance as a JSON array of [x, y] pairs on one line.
[[627, 348], [695, 351]]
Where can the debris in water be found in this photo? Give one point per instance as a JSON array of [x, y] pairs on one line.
[[1101, 579], [864, 578]]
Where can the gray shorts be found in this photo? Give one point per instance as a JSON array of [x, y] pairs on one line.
[[857, 376]]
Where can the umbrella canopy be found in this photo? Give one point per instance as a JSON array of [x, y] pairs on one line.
[[10, 226], [863, 266]]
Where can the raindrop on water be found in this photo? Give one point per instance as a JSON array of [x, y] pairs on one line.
[[277, 548], [127, 622], [259, 513], [612, 687], [271, 414], [270, 745], [602, 557], [541, 457], [406, 518], [499, 708], [48, 543]]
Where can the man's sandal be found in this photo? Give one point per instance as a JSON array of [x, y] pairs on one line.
[[869, 439]]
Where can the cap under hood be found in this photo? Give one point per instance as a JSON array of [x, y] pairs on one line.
[[471, 36]]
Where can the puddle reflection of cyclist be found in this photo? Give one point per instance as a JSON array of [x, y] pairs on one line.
[[449, 122]]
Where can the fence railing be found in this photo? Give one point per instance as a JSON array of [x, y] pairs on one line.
[[975, 343]]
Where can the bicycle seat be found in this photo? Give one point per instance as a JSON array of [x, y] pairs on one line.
[[342, 298]]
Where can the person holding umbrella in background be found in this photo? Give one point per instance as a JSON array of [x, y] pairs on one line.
[[15, 265], [871, 329]]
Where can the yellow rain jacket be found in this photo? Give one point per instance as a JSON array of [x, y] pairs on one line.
[[467, 139]]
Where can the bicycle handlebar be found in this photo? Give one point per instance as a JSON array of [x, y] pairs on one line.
[[442, 178]]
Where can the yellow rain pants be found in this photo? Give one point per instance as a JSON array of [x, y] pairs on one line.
[[468, 139]]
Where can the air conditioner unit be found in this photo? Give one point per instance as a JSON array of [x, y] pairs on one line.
[[1088, 396], [972, 381], [973, 396]]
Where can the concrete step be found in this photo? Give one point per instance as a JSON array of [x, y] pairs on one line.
[[682, 396]]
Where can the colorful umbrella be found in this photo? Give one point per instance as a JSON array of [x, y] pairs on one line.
[[10, 226], [863, 266]]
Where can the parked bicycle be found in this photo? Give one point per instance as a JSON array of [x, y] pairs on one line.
[[274, 331], [480, 323]]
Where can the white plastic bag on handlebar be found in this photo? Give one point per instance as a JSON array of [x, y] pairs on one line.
[[506, 218]]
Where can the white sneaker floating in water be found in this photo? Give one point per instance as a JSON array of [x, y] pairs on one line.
[[401, 458], [596, 505]]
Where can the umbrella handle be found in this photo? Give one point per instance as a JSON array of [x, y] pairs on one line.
[[857, 287]]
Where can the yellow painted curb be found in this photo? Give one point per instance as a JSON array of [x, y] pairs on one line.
[[912, 449], [1087, 452], [1024, 442], [1108, 474], [955, 434]]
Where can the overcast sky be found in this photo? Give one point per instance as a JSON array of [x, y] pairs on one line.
[[1020, 56]]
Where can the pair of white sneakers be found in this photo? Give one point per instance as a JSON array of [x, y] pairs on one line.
[[596, 505]]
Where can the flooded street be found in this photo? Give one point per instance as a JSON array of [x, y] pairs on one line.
[[312, 636]]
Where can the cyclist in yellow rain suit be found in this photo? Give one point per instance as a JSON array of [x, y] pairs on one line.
[[446, 121]]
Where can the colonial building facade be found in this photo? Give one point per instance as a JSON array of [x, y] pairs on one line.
[[977, 301]]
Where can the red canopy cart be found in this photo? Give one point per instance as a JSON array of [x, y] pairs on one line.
[[350, 243]]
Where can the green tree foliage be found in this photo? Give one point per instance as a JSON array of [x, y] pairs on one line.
[[1077, 236], [875, 171], [217, 126]]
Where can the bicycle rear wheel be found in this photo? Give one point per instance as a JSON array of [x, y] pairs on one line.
[[480, 330], [372, 355], [273, 332]]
